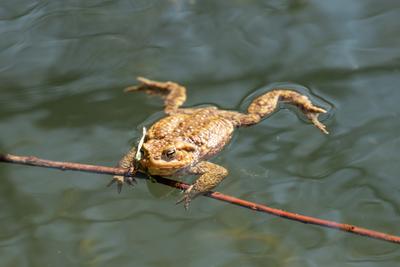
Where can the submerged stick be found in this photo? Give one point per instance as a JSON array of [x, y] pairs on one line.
[[34, 161]]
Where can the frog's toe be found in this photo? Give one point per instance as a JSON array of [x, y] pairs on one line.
[[313, 117], [316, 109], [187, 198], [132, 88], [145, 84], [308, 107], [130, 181], [121, 180]]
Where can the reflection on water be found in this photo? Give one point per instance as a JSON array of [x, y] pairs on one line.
[[63, 67]]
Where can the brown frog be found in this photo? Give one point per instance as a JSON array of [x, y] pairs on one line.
[[183, 141]]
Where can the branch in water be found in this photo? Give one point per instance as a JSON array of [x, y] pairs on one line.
[[34, 161]]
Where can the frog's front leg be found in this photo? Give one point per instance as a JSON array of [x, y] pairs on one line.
[[210, 176], [128, 161]]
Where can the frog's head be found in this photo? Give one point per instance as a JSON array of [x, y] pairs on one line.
[[159, 158]]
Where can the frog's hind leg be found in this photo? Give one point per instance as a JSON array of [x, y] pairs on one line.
[[128, 161], [267, 103], [174, 94]]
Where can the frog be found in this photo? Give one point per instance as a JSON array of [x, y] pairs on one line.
[[185, 139]]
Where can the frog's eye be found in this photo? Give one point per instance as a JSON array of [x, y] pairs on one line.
[[169, 152]]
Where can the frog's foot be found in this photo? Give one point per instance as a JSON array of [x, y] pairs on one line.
[[121, 180], [187, 197], [310, 110], [210, 176], [313, 117], [174, 94]]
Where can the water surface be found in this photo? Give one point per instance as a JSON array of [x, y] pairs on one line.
[[63, 65]]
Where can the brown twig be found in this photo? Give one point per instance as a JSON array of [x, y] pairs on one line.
[[34, 161]]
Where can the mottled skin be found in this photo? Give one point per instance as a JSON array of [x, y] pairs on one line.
[[183, 141]]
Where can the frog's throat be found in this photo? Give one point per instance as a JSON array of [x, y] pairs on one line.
[[161, 167], [162, 164]]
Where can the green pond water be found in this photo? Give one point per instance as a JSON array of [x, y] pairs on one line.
[[64, 64]]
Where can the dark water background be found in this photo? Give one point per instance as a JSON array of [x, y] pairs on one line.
[[63, 65]]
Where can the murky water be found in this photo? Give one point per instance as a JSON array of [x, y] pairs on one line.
[[63, 65]]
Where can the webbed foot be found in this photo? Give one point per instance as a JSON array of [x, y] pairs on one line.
[[313, 117], [121, 180], [187, 197]]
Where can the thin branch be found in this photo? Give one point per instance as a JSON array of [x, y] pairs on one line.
[[34, 161]]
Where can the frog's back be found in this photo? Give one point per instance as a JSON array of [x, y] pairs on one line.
[[203, 127]]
